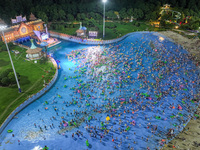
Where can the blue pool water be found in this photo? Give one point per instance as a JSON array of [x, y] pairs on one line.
[[138, 83]]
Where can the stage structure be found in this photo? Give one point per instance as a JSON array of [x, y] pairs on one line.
[[43, 39]]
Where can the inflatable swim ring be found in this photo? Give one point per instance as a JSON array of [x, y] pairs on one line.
[[9, 131], [158, 117]]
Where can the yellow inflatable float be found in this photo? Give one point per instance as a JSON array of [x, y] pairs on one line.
[[107, 118]]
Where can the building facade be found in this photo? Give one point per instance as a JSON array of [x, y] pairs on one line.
[[22, 30]]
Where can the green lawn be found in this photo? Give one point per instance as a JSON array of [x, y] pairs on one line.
[[30, 78], [121, 29], [70, 31]]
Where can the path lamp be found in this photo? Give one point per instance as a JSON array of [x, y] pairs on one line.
[[104, 1], [2, 27]]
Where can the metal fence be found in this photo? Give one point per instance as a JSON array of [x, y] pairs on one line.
[[31, 99]]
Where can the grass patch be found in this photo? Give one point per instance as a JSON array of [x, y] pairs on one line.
[[32, 76], [70, 31], [3, 63], [121, 28]]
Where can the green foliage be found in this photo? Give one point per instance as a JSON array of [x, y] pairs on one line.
[[83, 16], [61, 27], [110, 25], [70, 17], [11, 45], [61, 14], [185, 27], [43, 60], [2, 46], [89, 22], [138, 13], [123, 14], [58, 10], [195, 26], [98, 16], [3, 63], [31, 80], [43, 16], [92, 15], [152, 16], [78, 17], [130, 12], [137, 24], [7, 78], [111, 15]]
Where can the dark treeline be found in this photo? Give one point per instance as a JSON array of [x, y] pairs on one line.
[[68, 10]]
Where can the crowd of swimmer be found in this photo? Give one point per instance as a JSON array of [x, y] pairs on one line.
[[137, 93]]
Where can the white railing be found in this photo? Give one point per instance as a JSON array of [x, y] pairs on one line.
[[88, 42], [31, 99]]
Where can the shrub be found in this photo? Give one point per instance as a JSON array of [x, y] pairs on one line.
[[137, 24], [61, 27], [7, 77], [4, 81], [11, 45], [2, 46], [110, 25], [133, 23], [43, 60]]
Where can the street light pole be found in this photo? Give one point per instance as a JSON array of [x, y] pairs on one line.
[[12, 63], [104, 1]]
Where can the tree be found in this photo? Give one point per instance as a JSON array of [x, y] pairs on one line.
[[110, 14], [83, 16], [183, 3], [192, 5], [53, 13], [138, 13], [70, 17], [11, 77], [7, 77], [110, 25], [78, 17], [82, 8], [2, 46], [123, 13], [98, 16], [89, 22], [195, 26], [162, 23], [5, 81], [61, 14], [73, 7], [152, 16], [130, 12], [186, 12], [91, 15], [42, 16], [11, 45]]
